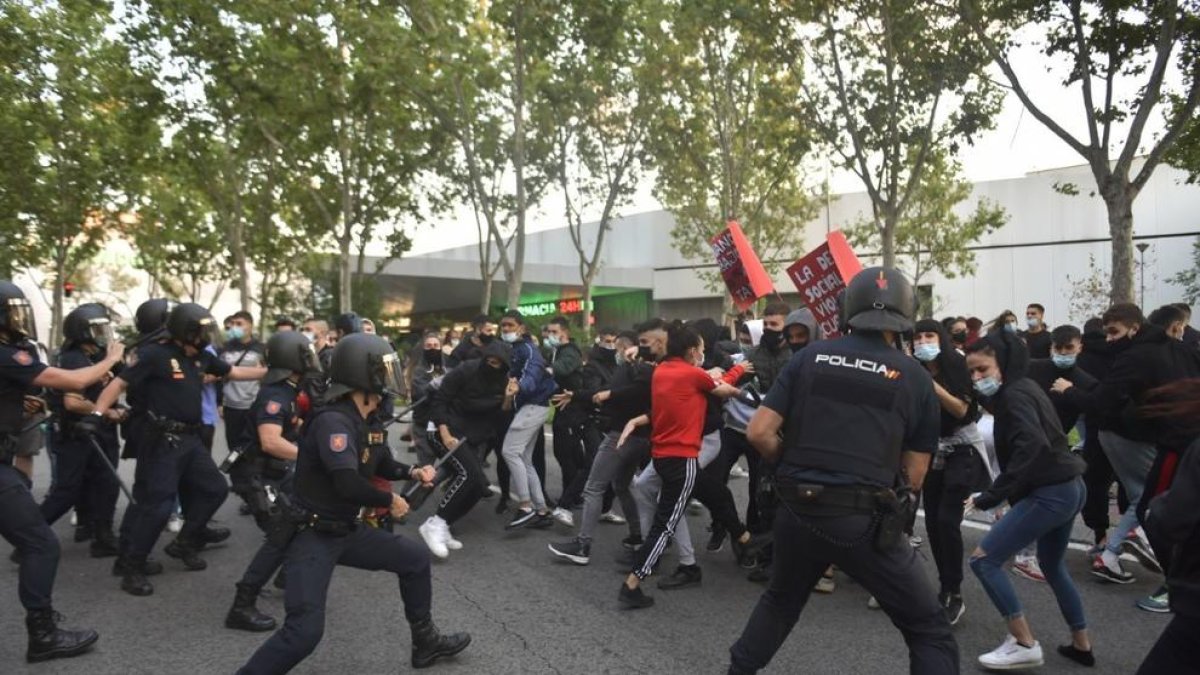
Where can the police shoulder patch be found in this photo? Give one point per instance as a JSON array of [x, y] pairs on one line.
[[22, 357], [273, 407], [339, 442]]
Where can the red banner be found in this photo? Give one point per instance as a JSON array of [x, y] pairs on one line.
[[744, 274], [821, 275]]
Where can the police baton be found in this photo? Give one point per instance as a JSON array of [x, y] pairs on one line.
[[396, 417], [113, 469], [412, 490]]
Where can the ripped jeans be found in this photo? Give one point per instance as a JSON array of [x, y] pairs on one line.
[[1045, 517]]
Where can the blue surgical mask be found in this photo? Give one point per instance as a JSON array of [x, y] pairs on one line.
[[1033, 322], [927, 352], [1010, 327], [234, 333], [987, 386], [510, 337], [1063, 361]]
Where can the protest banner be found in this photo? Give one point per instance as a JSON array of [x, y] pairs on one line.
[[821, 275], [740, 267]]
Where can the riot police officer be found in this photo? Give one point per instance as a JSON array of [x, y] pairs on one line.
[[21, 523], [859, 421], [332, 485], [261, 473], [171, 454], [83, 479]]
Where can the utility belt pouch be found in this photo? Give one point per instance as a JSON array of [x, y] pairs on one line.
[[283, 525], [235, 455], [275, 469], [894, 510]]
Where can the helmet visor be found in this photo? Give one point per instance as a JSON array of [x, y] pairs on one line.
[[209, 333], [312, 362], [100, 331], [391, 372], [20, 318]]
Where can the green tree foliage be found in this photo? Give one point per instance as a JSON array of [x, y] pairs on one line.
[[1189, 279], [728, 140], [1102, 49], [931, 236]]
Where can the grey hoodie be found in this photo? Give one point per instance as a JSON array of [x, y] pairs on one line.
[[804, 318]]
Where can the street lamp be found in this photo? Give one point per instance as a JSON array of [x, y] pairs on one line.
[[1141, 247]]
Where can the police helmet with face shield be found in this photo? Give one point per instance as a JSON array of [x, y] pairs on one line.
[[16, 314], [89, 324], [192, 324], [366, 363], [880, 299], [151, 315], [290, 352]]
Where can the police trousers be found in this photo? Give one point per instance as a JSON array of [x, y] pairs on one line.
[[164, 470], [894, 577], [251, 487], [82, 480], [22, 525], [309, 564]]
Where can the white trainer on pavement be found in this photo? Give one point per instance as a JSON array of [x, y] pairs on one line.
[[1012, 655], [563, 516], [432, 531], [175, 524], [1028, 567], [738, 472], [611, 517], [74, 518]]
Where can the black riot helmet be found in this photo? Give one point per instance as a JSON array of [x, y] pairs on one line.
[[192, 324], [151, 316], [880, 298], [366, 363], [348, 324], [88, 324], [16, 314], [290, 352]]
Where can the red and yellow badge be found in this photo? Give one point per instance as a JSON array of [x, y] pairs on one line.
[[338, 442], [376, 438], [273, 407], [22, 357]]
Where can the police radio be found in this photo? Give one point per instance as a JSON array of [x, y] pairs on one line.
[[231, 459]]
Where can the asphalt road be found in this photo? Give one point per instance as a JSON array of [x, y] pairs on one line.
[[528, 613]]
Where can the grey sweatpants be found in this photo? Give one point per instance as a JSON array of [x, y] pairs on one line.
[[648, 484], [614, 466], [518, 454]]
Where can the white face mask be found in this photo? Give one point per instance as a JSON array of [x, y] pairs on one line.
[[312, 337], [510, 337], [454, 343]]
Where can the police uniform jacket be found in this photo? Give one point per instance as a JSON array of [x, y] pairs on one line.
[[171, 383], [19, 367]]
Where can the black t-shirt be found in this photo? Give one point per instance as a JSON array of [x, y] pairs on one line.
[[275, 404], [1039, 344], [171, 382], [19, 367], [850, 407]]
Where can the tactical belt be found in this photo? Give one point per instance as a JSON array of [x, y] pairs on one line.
[[170, 426], [808, 497], [330, 526]]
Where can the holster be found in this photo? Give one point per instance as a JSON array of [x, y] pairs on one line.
[[284, 524], [895, 509]]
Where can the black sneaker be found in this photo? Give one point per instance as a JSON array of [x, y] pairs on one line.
[[1106, 573], [542, 521], [747, 554], [634, 598], [759, 575], [521, 518], [1138, 548], [716, 541], [632, 543], [954, 607], [684, 576], [577, 551]]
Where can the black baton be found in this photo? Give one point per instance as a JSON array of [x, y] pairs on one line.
[[113, 469]]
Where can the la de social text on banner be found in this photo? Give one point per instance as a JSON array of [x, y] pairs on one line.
[[821, 275], [744, 274]]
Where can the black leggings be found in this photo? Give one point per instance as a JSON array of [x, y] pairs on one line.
[[572, 496], [1098, 478], [944, 496], [570, 454], [733, 446], [678, 480]]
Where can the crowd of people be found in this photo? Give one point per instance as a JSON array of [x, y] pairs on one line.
[[841, 438]]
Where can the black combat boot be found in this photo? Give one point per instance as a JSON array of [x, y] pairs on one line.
[[212, 535], [244, 615], [133, 575], [125, 564], [188, 552], [83, 532], [104, 542], [281, 579], [47, 641], [429, 645]]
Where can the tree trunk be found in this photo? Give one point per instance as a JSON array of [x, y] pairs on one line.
[[344, 276], [485, 300], [1120, 228], [888, 240], [587, 307], [56, 306], [518, 268]]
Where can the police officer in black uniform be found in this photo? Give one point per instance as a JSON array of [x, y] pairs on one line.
[[332, 485], [82, 479], [859, 421], [171, 455], [21, 523], [262, 473]]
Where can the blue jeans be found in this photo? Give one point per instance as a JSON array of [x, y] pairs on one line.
[[1045, 516]]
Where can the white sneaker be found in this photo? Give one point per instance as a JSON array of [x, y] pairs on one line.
[[695, 507], [738, 472], [563, 516], [1012, 655], [872, 603], [494, 489], [74, 518], [452, 543], [432, 532], [175, 524], [614, 518]]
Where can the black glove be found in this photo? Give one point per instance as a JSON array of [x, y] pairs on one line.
[[90, 425]]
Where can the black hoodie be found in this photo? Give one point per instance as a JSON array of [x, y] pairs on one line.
[[470, 399], [1030, 442], [1150, 359]]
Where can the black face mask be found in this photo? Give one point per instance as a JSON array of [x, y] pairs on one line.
[[433, 357], [959, 338], [797, 346], [606, 356], [645, 353], [492, 373], [485, 338], [771, 339]]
